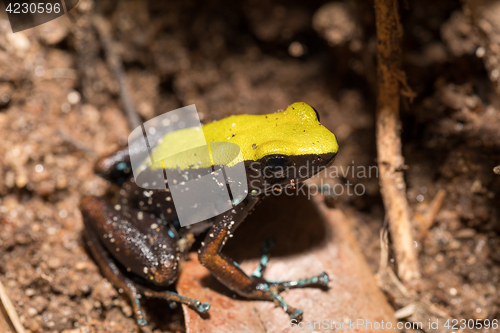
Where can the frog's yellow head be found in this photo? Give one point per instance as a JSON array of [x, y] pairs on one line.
[[292, 139]]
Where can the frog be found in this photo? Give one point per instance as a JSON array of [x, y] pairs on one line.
[[137, 240]]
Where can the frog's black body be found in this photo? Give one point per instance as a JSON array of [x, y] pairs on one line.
[[141, 233]]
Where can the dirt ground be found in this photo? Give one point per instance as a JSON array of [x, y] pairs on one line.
[[60, 109]]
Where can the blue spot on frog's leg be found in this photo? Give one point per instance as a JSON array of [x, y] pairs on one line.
[[121, 166], [267, 245], [141, 321]]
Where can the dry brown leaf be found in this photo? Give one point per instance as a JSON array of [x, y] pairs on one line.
[[308, 241]]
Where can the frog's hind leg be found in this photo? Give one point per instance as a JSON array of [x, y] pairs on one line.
[[130, 288], [279, 286], [126, 234], [111, 271]]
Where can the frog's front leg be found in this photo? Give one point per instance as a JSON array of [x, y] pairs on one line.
[[229, 273]]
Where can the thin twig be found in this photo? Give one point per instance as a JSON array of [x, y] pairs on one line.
[[103, 30], [390, 159], [432, 211], [76, 143], [86, 48], [11, 311], [410, 305], [384, 246]]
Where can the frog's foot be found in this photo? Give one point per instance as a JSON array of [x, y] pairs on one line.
[[291, 311], [174, 297], [273, 288], [278, 286]]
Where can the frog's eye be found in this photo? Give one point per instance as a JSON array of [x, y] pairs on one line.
[[276, 165], [317, 114]]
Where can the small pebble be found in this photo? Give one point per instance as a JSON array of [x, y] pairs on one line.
[[39, 71], [81, 265], [32, 311], [480, 314], [30, 292], [34, 326], [465, 233], [74, 97], [54, 263]]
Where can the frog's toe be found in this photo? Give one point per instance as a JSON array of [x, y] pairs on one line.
[[318, 280], [202, 307], [297, 314], [173, 297], [323, 279], [290, 310], [142, 322]]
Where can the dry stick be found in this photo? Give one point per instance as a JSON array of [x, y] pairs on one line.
[[103, 29], [390, 159], [432, 211], [76, 143], [9, 308]]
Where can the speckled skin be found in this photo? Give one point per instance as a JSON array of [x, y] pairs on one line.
[[136, 242]]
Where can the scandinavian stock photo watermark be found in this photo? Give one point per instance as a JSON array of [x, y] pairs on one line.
[[324, 174], [369, 325]]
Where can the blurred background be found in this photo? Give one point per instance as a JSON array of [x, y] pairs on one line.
[[60, 110]]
